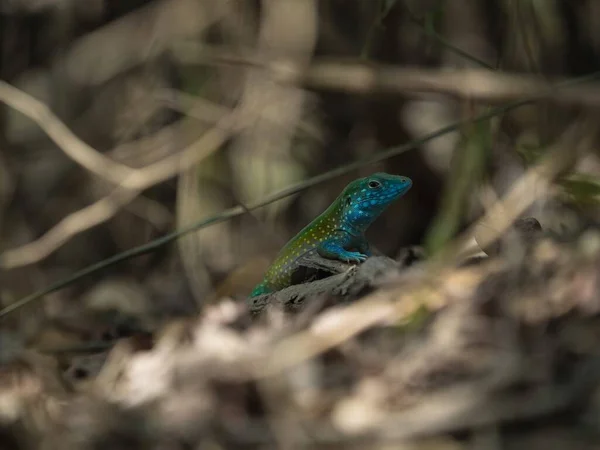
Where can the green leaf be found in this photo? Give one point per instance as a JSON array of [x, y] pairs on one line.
[[582, 188], [528, 148]]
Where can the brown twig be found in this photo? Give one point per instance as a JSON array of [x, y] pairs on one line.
[[70, 144], [106, 168], [139, 36], [106, 207], [475, 84], [360, 78]]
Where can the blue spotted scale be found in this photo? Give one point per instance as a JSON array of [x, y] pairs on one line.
[[339, 232]]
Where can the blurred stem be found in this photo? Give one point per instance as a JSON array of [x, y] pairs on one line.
[[469, 167], [427, 26], [526, 33], [383, 9]]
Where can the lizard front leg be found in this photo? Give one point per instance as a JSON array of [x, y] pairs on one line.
[[335, 248], [362, 246]]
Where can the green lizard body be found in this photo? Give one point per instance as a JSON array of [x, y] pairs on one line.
[[339, 232]]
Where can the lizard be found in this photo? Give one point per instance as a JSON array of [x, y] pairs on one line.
[[338, 232]]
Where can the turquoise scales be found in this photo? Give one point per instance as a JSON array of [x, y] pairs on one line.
[[339, 232]]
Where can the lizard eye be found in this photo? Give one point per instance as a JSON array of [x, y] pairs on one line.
[[373, 184], [348, 200]]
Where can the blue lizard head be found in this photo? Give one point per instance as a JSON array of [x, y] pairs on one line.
[[365, 199]]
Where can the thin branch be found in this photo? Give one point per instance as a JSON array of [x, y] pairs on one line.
[[476, 84], [139, 36], [357, 77], [445, 42], [106, 168], [105, 208], [71, 145], [152, 211], [206, 111]]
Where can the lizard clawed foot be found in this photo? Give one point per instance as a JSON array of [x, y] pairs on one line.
[[353, 257]]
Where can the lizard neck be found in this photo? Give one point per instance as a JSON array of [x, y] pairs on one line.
[[357, 220], [351, 214], [351, 219], [333, 219]]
